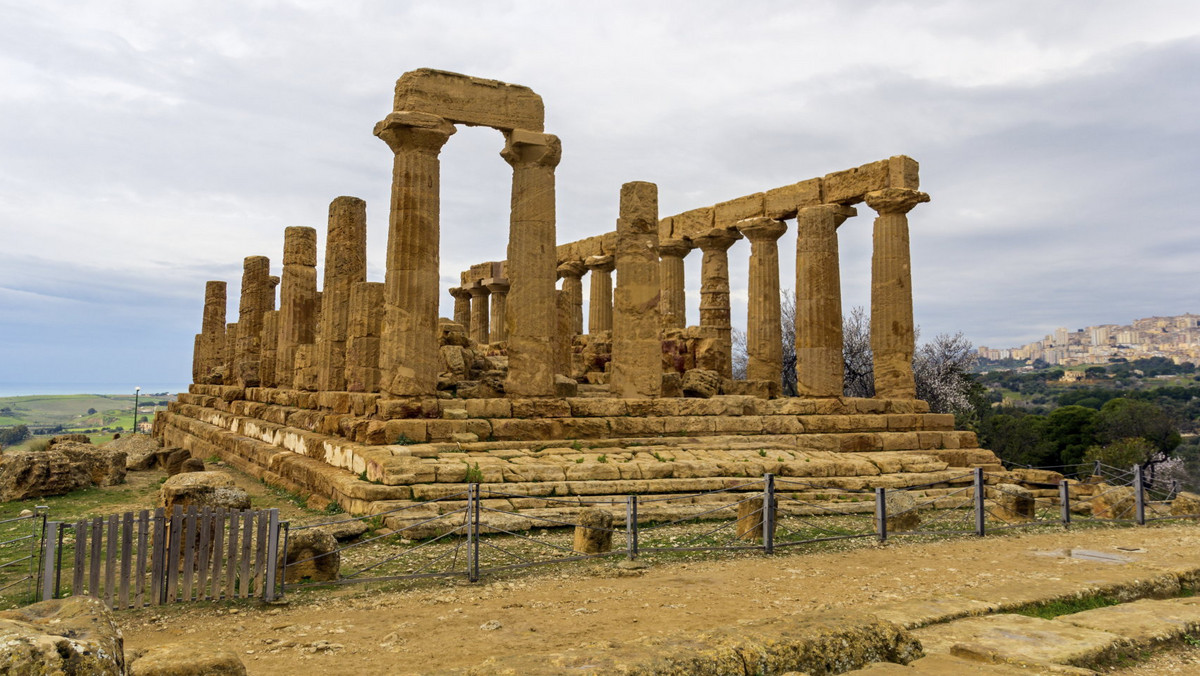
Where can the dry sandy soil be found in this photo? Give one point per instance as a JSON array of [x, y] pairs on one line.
[[431, 626]]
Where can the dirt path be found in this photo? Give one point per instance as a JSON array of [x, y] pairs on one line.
[[443, 625]]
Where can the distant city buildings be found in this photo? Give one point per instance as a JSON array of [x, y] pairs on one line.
[[1176, 338]]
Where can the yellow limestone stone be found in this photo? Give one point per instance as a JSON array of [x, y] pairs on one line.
[[600, 307], [210, 343], [498, 289], [819, 370], [362, 337], [637, 346], [479, 313], [256, 285], [345, 266], [673, 307], [462, 307], [764, 333], [571, 273], [297, 300], [714, 298]]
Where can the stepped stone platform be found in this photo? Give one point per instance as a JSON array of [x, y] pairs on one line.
[[370, 454]]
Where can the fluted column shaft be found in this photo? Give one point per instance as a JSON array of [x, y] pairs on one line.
[[673, 307], [206, 359], [462, 307], [363, 337], [254, 301], [892, 337], [572, 276], [229, 354], [345, 266], [297, 300], [637, 327], [479, 314], [409, 349], [270, 343], [600, 304], [498, 288], [532, 315], [764, 332], [819, 362], [714, 296]]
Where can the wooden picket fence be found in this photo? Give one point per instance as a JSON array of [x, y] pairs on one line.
[[136, 559]]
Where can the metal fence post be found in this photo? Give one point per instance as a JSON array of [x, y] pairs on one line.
[[473, 532], [272, 555], [768, 515], [1139, 495], [631, 527], [50, 559], [287, 532], [1096, 469], [979, 506], [1064, 497], [881, 513]]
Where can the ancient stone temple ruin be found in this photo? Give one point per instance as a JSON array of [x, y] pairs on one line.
[[357, 393]]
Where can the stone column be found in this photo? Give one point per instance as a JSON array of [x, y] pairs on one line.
[[673, 309], [892, 339], [600, 306], [345, 266], [498, 288], [270, 342], [562, 334], [714, 297], [764, 333], [572, 276], [210, 344], [255, 300], [637, 327], [479, 313], [409, 350], [819, 361], [532, 314], [297, 300], [362, 337], [229, 354], [462, 307]]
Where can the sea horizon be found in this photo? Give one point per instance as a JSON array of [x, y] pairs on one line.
[[28, 389]]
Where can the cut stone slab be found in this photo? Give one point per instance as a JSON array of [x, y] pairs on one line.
[[915, 613], [1021, 639], [948, 665], [1146, 623]]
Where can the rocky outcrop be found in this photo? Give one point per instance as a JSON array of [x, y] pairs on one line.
[[75, 636], [139, 450], [202, 489], [187, 659]]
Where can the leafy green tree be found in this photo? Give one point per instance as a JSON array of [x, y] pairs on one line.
[[1122, 453], [14, 435], [1096, 372], [1125, 418], [1069, 434], [1016, 437], [91, 411]]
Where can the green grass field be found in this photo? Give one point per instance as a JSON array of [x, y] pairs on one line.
[[77, 413]]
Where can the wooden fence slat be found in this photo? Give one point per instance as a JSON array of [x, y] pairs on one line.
[[156, 563], [272, 555], [126, 556], [110, 562], [202, 554], [260, 553], [247, 542], [218, 540], [94, 568], [173, 543], [142, 530], [189, 551], [231, 559], [80, 557]]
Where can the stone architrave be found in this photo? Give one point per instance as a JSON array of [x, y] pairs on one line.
[[572, 276], [297, 300], [345, 266], [270, 342], [462, 307], [892, 338], [673, 307], [480, 330], [600, 309], [532, 311], [255, 300], [206, 360], [498, 289], [637, 342], [409, 350], [714, 297], [764, 332], [819, 365], [362, 337]]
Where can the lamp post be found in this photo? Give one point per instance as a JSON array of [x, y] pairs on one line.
[[136, 391]]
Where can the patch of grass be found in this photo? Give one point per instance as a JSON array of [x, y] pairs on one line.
[[404, 440], [474, 474], [602, 458], [577, 445], [762, 452], [1052, 609], [334, 508], [579, 461], [213, 459]]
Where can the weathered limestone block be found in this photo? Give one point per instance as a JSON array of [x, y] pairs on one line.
[[701, 383], [187, 659], [1113, 502], [785, 201], [902, 514], [139, 450], [469, 100], [341, 527], [202, 489], [210, 343], [1015, 503], [297, 300], [726, 214], [270, 343], [306, 372], [75, 636], [593, 532], [312, 555], [1186, 504], [852, 185], [25, 474], [257, 297], [105, 466], [363, 341], [345, 266], [637, 347], [750, 519]]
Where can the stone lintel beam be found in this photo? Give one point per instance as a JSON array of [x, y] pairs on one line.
[[470, 100], [819, 361], [892, 336]]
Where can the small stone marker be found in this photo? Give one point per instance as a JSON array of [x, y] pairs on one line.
[[1015, 503], [750, 519], [593, 534]]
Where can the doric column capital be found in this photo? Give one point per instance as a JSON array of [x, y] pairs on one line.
[[459, 292], [496, 286], [761, 229], [422, 132], [894, 200], [477, 290], [600, 263], [573, 269], [674, 247], [717, 239], [839, 213], [531, 148]]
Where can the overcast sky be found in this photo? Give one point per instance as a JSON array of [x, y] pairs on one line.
[[146, 147]]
